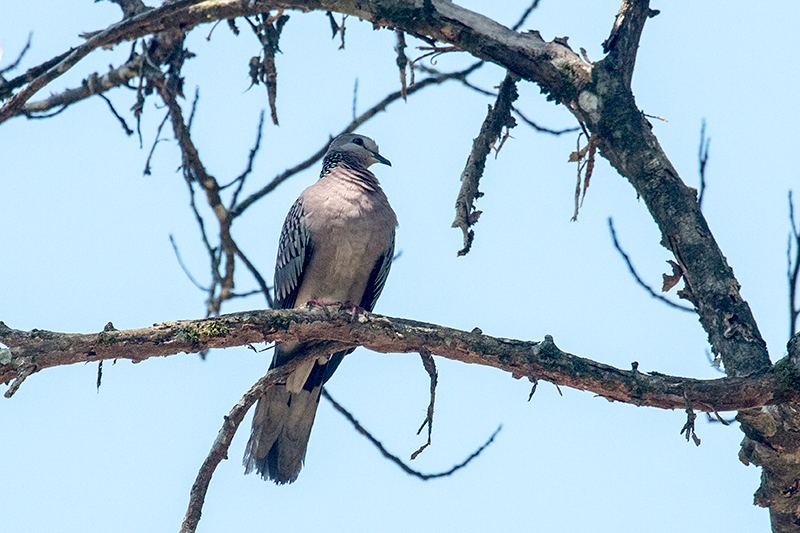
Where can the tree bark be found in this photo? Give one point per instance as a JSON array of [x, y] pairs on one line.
[[32, 351]]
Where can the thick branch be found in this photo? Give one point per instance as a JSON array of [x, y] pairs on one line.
[[553, 66], [623, 42], [39, 349], [626, 140]]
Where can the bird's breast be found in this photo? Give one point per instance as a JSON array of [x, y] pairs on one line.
[[350, 231]]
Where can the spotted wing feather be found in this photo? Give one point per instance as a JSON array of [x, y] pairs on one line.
[[294, 252]]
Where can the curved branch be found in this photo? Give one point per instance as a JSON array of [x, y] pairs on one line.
[[38, 349], [525, 54]]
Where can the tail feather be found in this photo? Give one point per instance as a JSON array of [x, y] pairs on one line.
[[284, 416], [281, 428]]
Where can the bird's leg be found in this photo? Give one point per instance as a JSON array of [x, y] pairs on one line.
[[353, 309]]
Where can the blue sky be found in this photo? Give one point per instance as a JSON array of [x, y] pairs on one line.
[[86, 241]]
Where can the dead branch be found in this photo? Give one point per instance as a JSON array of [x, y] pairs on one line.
[[393, 458], [15, 63], [231, 422], [262, 69], [497, 118], [793, 267], [402, 62], [623, 42], [636, 276], [94, 84], [40, 349], [196, 173], [702, 159], [430, 367]]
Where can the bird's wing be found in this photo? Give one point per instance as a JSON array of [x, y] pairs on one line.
[[377, 278], [294, 252]]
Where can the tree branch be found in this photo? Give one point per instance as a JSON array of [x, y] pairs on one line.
[[623, 42], [497, 118], [524, 54], [38, 349]]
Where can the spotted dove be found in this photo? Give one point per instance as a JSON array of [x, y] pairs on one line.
[[336, 245]]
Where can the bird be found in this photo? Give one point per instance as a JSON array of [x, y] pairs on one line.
[[336, 246]]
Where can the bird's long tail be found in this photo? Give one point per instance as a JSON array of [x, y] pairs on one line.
[[285, 413], [281, 428]]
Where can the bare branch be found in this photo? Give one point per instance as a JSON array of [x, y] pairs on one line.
[[243, 176], [195, 172], [497, 118], [219, 450], [702, 158], [259, 279], [542, 129], [40, 76], [147, 170], [39, 349], [121, 120], [525, 15], [402, 61], [14, 64], [430, 367], [622, 44], [396, 460], [263, 70], [94, 84], [638, 278], [793, 268], [688, 427], [183, 265]]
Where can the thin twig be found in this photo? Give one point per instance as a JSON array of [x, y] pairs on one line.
[[793, 268], [147, 170], [430, 367], [259, 279], [121, 120], [525, 15], [702, 157], [253, 151], [543, 129], [355, 98], [22, 53], [183, 265], [396, 460], [635, 275]]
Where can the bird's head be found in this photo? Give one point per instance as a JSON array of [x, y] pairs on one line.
[[357, 147]]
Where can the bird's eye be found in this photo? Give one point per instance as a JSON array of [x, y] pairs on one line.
[[359, 141]]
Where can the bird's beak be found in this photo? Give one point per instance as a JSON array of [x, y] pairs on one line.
[[380, 159]]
